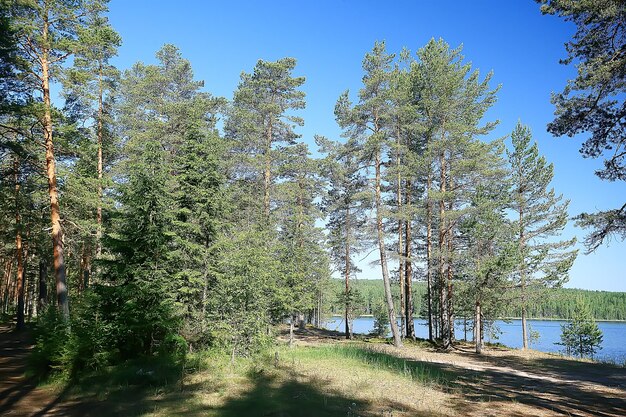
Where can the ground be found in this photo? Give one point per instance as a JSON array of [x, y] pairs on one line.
[[323, 375]]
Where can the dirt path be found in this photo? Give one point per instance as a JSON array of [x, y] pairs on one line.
[[19, 395]]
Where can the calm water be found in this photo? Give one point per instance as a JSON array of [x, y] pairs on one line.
[[510, 334]]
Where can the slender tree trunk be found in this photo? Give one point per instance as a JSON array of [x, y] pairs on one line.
[[403, 324], [523, 278], [408, 269], [42, 300], [478, 339], [397, 341], [429, 243], [524, 327], [100, 165], [4, 285], [443, 299], [347, 273], [18, 247], [55, 213], [450, 291], [267, 179]]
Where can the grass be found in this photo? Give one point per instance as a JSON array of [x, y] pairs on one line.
[[344, 379], [422, 372]]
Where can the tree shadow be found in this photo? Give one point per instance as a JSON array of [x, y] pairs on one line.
[[300, 395], [539, 383]]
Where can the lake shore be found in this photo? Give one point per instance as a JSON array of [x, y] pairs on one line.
[[500, 318]]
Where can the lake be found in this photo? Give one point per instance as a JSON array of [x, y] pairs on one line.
[[509, 333]]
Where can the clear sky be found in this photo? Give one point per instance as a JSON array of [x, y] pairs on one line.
[[329, 39]]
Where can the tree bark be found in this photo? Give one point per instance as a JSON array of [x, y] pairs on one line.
[[443, 299], [347, 273], [403, 324], [429, 243], [42, 300], [397, 341], [55, 213], [100, 166], [478, 339], [267, 173], [18, 248], [408, 270]]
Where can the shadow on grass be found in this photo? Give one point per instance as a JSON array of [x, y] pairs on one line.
[[422, 371], [129, 389], [555, 385], [525, 383], [300, 395]]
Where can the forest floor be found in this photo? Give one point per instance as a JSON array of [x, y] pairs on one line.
[[324, 375]]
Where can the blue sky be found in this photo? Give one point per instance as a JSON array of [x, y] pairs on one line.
[[330, 38]]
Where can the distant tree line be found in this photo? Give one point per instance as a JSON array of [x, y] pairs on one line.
[[558, 303]]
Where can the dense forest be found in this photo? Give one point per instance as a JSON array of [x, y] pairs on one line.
[[142, 215], [557, 303]]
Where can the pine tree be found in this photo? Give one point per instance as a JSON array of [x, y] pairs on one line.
[[48, 32], [368, 122], [451, 102], [489, 253], [260, 120], [581, 336], [89, 84], [171, 194], [541, 216], [346, 209], [594, 102]]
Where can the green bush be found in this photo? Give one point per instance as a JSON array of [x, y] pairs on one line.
[[381, 321], [108, 326]]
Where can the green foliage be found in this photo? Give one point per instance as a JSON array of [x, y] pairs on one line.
[[381, 321], [107, 326], [593, 102], [581, 336]]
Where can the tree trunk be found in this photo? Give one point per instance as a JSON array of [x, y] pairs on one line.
[[523, 277], [397, 341], [450, 292], [403, 324], [429, 274], [55, 213], [100, 166], [267, 179], [408, 269], [443, 299], [478, 339], [347, 273], [42, 300], [524, 328], [18, 248]]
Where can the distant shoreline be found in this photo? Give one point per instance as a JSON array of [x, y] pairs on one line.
[[500, 318]]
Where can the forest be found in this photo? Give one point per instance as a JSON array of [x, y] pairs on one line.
[[140, 215], [556, 303]]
